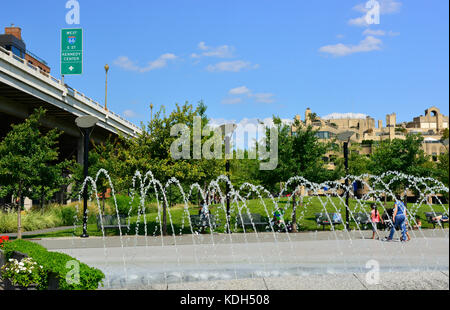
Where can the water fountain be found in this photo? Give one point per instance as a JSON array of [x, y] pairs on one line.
[[185, 256]]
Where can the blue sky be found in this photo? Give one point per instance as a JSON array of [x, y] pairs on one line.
[[251, 58]]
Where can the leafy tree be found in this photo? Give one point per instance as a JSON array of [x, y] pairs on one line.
[[300, 153], [406, 156], [442, 168], [24, 153]]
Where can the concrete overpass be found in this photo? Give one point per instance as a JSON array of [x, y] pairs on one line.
[[24, 87]]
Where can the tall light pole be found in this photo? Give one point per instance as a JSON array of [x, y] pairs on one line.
[[151, 112], [106, 86], [86, 125], [345, 137]]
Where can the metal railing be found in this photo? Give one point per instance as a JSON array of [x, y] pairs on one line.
[[71, 91]]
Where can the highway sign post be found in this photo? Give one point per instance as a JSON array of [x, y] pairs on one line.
[[71, 51]]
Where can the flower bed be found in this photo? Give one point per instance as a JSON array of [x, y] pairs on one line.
[[54, 266], [3, 239], [25, 273]]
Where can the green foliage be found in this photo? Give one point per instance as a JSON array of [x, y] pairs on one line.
[[442, 169], [406, 156], [54, 262], [299, 153]]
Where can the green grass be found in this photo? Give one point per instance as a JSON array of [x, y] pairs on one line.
[[305, 216]]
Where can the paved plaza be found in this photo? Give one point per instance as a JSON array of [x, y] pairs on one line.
[[265, 261]]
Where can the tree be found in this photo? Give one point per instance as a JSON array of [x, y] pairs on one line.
[[23, 153], [300, 153], [406, 156], [442, 168]]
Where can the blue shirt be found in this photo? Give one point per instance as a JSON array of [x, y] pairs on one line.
[[400, 207]]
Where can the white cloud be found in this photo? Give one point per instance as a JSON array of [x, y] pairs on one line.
[[125, 63], [129, 113], [369, 44], [359, 21], [263, 97], [239, 91], [223, 51], [374, 32], [231, 66], [258, 97], [231, 100], [386, 7], [380, 33], [344, 115]]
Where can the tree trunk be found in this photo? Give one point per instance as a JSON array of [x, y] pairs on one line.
[[19, 210]]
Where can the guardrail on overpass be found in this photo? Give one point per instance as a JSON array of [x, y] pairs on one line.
[[18, 73]]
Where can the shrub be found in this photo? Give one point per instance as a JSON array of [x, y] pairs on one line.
[[124, 204], [68, 215], [53, 262]]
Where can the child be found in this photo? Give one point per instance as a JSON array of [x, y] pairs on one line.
[[375, 219], [418, 223]]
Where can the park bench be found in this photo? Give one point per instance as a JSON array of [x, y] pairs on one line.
[[330, 219], [431, 218], [197, 221], [111, 222], [254, 221], [362, 218]]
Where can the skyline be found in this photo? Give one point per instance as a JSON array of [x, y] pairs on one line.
[[252, 60]]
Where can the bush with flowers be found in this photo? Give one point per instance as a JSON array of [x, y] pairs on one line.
[[23, 273], [3, 239]]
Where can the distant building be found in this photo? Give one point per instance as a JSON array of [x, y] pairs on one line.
[[12, 41], [431, 127]]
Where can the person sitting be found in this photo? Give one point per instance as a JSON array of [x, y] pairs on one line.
[[440, 218], [418, 224]]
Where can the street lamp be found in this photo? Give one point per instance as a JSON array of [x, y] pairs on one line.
[[227, 131], [151, 112], [106, 86], [345, 137], [86, 125]]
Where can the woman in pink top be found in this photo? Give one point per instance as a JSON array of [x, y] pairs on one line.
[[375, 219]]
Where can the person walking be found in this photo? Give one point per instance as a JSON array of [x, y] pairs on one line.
[[399, 220]]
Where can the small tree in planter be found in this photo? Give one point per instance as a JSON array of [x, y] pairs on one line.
[[24, 274]]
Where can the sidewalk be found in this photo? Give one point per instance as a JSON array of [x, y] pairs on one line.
[[37, 232]]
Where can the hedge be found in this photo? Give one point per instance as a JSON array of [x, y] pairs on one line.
[[53, 262]]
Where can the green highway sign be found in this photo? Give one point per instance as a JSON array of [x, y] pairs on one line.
[[71, 51]]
